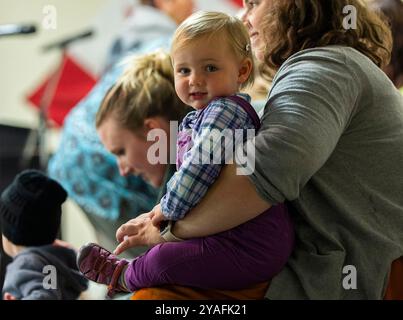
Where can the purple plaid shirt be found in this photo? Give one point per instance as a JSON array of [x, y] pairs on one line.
[[195, 175]]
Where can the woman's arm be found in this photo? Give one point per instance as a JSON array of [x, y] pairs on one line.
[[231, 201]]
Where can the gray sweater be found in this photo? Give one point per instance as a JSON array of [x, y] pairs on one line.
[[331, 144], [26, 276]]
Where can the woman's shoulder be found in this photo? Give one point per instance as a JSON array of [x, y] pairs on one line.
[[332, 57], [324, 53], [330, 64]]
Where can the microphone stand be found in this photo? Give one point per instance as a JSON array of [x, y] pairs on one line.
[[45, 102], [36, 143], [7, 30], [36, 146]]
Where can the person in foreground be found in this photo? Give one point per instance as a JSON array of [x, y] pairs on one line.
[[331, 143], [43, 268], [208, 78]]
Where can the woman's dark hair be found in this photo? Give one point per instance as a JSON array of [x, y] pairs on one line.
[[393, 10], [292, 26]]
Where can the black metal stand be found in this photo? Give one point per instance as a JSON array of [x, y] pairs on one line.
[[36, 145]]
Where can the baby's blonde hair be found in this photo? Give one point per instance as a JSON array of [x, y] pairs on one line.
[[211, 24], [146, 89]]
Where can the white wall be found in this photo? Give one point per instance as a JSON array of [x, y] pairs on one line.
[[22, 63]]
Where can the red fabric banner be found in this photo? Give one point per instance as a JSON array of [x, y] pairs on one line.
[[70, 87], [238, 2]]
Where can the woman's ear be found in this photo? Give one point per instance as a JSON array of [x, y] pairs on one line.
[[245, 70], [156, 123], [151, 123]]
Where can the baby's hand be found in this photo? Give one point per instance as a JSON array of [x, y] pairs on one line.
[[127, 232], [156, 216], [137, 232]]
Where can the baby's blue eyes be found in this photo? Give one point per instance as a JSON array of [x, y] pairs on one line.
[[211, 68], [208, 68], [184, 71]]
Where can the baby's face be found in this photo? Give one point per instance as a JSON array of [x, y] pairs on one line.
[[205, 69]]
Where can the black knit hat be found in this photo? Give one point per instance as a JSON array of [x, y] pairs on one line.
[[30, 209]]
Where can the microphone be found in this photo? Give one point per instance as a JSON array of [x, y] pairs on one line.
[[64, 43], [14, 29]]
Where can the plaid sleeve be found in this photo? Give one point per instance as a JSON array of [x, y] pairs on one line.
[[202, 164]]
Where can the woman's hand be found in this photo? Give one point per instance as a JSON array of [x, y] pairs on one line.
[[229, 202], [137, 232]]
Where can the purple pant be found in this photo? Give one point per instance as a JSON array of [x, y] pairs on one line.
[[249, 254]]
